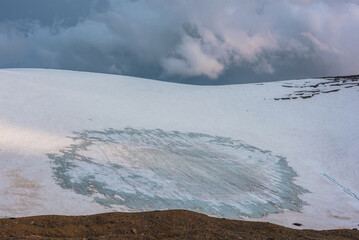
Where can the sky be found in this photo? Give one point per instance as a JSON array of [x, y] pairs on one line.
[[206, 42]]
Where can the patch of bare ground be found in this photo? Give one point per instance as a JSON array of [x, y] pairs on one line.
[[171, 224], [330, 85]]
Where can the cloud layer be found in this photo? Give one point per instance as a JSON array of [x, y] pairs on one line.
[[201, 42]]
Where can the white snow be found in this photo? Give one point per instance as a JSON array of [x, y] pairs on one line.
[[43, 111]]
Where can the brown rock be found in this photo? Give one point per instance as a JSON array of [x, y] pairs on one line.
[[178, 224]]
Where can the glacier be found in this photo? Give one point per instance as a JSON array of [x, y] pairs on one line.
[[82, 143]]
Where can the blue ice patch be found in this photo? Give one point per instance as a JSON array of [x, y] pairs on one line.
[[155, 169]]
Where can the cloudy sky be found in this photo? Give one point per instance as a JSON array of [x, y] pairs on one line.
[[190, 41]]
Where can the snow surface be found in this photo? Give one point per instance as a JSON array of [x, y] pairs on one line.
[[81, 143]]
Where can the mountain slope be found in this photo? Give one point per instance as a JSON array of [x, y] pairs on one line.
[[81, 143]]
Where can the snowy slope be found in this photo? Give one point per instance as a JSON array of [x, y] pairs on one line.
[[81, 143]]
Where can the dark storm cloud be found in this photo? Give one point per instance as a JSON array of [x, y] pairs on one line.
[[202, 41], [49, 12]]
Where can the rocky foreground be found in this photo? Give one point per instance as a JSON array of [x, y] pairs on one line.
[[172, 224]]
